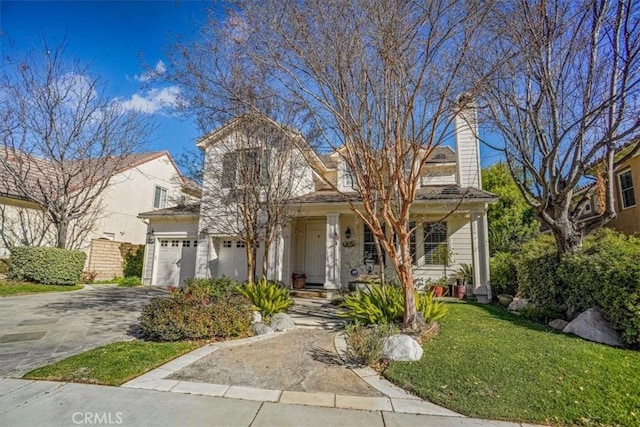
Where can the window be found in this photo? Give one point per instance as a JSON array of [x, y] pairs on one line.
[[195, 243], [587, 208], [245, 167], [186, 243], [239, 244], [347, 178], [160, 198], [175, 243], [226, 244], [627, 196], [369, 244], [110, 236], [164, 243], [435, 235]]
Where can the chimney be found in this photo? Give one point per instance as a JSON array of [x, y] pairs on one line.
[[467, 144]]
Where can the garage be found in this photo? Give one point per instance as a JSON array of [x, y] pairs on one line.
[[232, 260], [176, 261]]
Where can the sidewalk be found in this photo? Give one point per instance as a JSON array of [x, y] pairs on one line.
[[40, 403]]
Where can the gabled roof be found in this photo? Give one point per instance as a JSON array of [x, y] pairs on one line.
[[442, 154], [189, 210], [427, 193]]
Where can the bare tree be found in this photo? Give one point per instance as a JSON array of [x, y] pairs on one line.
[[23, 226], [62, 138], [377, 80], [567, 98]]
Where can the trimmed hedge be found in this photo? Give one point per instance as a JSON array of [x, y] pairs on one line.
[[132, 263], [604, 273], [504, 273], [49, 266]]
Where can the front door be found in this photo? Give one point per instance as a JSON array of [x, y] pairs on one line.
[[315, 251]]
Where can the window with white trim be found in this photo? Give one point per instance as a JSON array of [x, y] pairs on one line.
[[226, 243], [160, 198], [164, 243], [627, 196], [435, 235], [186, 243], [240, 244], [175, 243]]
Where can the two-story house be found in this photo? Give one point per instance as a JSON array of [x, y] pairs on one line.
[[144, 181], [324, 240]]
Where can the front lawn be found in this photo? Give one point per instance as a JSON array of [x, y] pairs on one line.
[[488, 363], [22, 288], [113, 364]]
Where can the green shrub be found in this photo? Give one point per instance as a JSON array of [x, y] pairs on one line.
[[381, 305], [605, 273], [132, 263], [267, 297], [504, 274], [50, 266], [538, 274], [215, 288], [129, 282], [364, 343], [190, 313]]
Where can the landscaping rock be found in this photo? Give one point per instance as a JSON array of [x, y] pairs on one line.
[[402, 348], [282, 322], [260, 328], [558, 324], [422, 323], [257, 317], [518, 304], [591, 326]]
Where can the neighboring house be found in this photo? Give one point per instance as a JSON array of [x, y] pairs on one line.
[[145, 181], [325, 241], [626, 193]]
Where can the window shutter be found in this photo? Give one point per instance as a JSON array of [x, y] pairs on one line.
[[229, 165]]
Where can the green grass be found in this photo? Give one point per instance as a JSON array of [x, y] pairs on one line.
[[21, 288], [488, 363], [113, 364]]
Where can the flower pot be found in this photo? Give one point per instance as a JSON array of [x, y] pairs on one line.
[[505, 300], [459, 291], [438, 291]]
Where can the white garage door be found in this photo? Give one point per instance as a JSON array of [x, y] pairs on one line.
[[176, 261], [232, 260]]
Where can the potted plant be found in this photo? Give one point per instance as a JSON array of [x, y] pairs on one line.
[[299, 280], [438, 287], [463, 276]]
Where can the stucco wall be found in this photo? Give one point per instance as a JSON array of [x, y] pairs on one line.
[[22, 222], [132, 192]]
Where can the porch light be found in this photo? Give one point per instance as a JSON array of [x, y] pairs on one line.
[[347, 233]]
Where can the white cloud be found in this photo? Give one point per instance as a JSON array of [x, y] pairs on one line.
[[157, 71], [153, 100]]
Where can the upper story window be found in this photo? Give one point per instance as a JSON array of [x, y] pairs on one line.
[[245, 167], [347, 178], [435, 236], [627, 196], [160, 198]]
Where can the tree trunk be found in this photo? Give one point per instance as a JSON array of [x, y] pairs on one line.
[[567, 237], [265, 259], [62, 227], [251, 262], [409, 320]]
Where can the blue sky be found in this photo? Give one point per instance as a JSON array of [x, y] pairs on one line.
[[116, 38]]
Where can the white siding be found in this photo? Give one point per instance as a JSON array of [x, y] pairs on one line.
[[467, 149], [439, 175]]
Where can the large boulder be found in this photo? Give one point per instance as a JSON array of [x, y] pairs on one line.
[[401, 348], [591, 326], [558, 324], [260, 328], [282, 322], [518, 304]]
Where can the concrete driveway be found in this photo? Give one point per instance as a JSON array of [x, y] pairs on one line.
[[36, 330]]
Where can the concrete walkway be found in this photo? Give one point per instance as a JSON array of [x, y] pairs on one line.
[[45, 403]]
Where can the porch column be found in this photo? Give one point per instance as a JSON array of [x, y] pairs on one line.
[[276, 257], [480, 246], [332, 265], [285, 259]]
